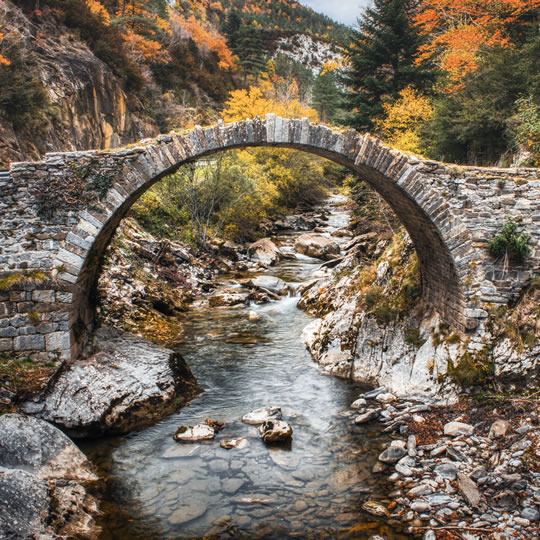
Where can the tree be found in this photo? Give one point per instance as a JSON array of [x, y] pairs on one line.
[[381, 60], [459, 30], [250, 50], [326, 95], [404, 120]]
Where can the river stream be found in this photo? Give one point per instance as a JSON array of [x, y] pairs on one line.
[[314, 488]]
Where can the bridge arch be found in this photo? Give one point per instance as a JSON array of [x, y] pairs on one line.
[[72, 244]]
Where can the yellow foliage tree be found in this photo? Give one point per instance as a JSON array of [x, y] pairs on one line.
[[250, 103], [99, 9], [403, 120]]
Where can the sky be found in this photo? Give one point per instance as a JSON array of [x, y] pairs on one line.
[[344, 11]]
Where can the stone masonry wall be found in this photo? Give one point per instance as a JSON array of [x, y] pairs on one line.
[[58, 216]]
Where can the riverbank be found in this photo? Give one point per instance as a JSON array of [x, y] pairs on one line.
[[470, 468]]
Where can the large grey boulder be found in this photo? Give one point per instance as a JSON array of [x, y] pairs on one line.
[[43, 482], [264, 251], [270, 283], [125, 384], [317, 245]]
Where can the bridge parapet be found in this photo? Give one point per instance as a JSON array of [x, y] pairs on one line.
[[58, 216]]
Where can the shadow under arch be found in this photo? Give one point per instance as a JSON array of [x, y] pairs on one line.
[[408, 185]]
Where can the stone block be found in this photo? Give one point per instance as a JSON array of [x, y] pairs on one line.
[[6, 345], [29, 343], [58, 341], [8, 332], [64, 297], [43, 296]]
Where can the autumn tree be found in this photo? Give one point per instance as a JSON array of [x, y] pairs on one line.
[[381, 60], [404, 120], [458, 31]]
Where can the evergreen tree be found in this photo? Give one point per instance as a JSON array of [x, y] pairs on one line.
[[381, 57], [326, 96], [250, 50]]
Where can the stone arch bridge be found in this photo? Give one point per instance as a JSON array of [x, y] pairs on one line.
[[57, 217]]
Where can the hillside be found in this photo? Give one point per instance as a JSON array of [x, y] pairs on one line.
[[98, 74]]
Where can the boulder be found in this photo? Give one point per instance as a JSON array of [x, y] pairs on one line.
[[274, 431], [264, 251], [258, 416], [368, 416], [43, 478], [122, 383], [454, 429], [199, 432], [228, 297], [317, 245], [270, 283]]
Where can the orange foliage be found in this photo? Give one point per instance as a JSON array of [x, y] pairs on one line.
[[144, 50], [458, 29], [3, 60], [209, 40], [98, 9]]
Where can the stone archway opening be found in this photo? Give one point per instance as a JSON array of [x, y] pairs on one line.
[[440, 278]]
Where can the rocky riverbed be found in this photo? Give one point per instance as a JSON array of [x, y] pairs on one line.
[[466, 470]]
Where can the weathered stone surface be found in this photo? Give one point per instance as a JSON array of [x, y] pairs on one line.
[[258, 416], [271, 283], [31, 444], [317, 245], [275, 431], [42, 482], [470, 491], [454, 429], [265, 251], [199, 432], [392, 454], [126, 382]]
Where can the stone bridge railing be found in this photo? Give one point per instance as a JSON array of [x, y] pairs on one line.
[[57, 217]]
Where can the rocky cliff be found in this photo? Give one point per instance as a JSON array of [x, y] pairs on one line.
[[86, 105]]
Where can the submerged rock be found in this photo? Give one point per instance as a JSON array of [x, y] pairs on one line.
[[258, 416], [234, 443], [42, 482], [273, 431], [199, 432], [123, 383], [317, 245], [264, 251]]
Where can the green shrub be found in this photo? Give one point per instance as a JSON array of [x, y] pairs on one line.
[[509, 244]]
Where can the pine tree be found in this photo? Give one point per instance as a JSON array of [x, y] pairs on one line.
[[250, 50], [381, 58], [326, 96]]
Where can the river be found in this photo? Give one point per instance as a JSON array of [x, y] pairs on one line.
[[314, 488]]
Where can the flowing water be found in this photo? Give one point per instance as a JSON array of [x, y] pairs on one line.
[[313, 488]]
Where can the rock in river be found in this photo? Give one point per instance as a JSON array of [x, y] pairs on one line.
[[199, 432], [272, 284], [258, 416], [42, 482], [273, 431], [317, 245], [392, 454], [121, 383], [265, 251]]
